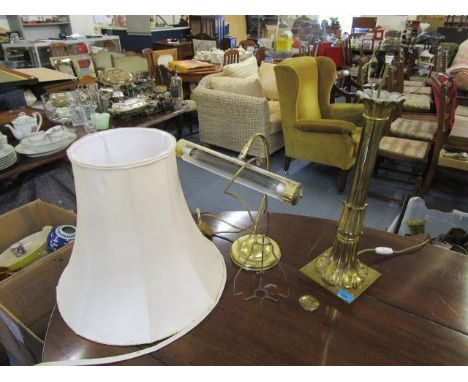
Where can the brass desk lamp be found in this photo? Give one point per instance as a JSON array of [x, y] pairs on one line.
[[254, 251]]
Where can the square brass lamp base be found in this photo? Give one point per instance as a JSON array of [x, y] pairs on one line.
[[348, 295]]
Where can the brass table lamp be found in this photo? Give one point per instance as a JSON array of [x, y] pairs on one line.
[[338, 269]]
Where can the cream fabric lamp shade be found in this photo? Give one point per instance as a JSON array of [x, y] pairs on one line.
[[140, 270]]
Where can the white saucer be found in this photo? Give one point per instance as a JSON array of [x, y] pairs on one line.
[[39, 151]]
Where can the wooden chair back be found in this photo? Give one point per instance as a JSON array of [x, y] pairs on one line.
[[346, 52], [246, 43], [203, 36], [366, 23], [162, 75], [445, 98], [231, 56], [59, 49], [109, 45], [260, 55], [164, 56]]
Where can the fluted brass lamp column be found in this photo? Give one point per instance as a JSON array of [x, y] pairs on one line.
[[338, 269]]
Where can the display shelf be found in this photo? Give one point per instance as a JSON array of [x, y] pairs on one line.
[[45, 24]]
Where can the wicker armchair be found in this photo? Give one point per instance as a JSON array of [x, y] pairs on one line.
[[228, 120]]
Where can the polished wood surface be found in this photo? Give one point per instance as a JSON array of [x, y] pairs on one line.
[[196, 77], [414, 314], [26, 164], [184, 48], [10, 78]]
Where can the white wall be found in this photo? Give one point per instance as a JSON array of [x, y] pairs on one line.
[[82, 24], [393, 22], [346, 21], [4, 23]]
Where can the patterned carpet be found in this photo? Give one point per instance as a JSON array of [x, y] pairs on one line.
[[54, 184]]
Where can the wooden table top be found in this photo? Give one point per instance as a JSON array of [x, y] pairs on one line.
[[25, 164], [416, 313], [10, 77], [197, 77]]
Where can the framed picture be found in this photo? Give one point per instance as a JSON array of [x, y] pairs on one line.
[[64, 65], [77, 66]]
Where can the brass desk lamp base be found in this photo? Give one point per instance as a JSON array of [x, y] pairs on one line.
[[347, 294], [255, 252]]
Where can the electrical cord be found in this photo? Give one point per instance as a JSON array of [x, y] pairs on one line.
[[387, 251]]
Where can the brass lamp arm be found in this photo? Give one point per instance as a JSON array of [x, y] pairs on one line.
[[245, 150]]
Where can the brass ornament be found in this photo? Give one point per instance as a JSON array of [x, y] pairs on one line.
[[308, 302]]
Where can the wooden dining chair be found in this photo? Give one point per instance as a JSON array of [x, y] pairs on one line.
[[420, 154], [260, 55], [109, 45], [231, 56], [246, 43], [59, 49], [164, 56]]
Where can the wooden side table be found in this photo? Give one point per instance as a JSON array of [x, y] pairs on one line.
[[184, 48]]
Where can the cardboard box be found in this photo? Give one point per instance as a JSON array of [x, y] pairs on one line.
[[29, 294]]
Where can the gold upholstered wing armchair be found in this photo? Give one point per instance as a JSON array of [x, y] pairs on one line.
[[314, 129]]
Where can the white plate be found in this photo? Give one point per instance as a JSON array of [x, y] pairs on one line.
[[5, 151], [49, 146], [35, 151], [38, 155], [3, 167], [7, 159]]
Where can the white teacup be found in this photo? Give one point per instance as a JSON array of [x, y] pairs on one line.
[[55, 133], [35, 139]]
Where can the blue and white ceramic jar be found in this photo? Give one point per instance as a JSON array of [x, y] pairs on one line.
[[60, 236]]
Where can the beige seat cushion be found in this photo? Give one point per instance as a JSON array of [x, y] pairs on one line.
[[418, 90], [458, 136], [417, 102], [462, 110], [403, 148], [451, 161], [266, 72], [275, 117], [249, 86], [414, 129], [243, 69], [414, 83]]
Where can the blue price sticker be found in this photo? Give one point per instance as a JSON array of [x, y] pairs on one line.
[[345, 296]]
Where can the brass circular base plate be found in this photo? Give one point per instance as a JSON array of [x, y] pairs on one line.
[[309, 303], [248, 250]]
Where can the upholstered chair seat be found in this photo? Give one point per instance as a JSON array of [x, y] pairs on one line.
[[414, 129]]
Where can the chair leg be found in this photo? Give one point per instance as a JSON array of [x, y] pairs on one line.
[[342, 180], [287, 162]]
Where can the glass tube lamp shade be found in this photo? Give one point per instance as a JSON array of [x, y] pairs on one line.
[[140, 269], [252, 177]]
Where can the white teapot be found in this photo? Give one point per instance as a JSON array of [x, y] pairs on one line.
[[24, 125]]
